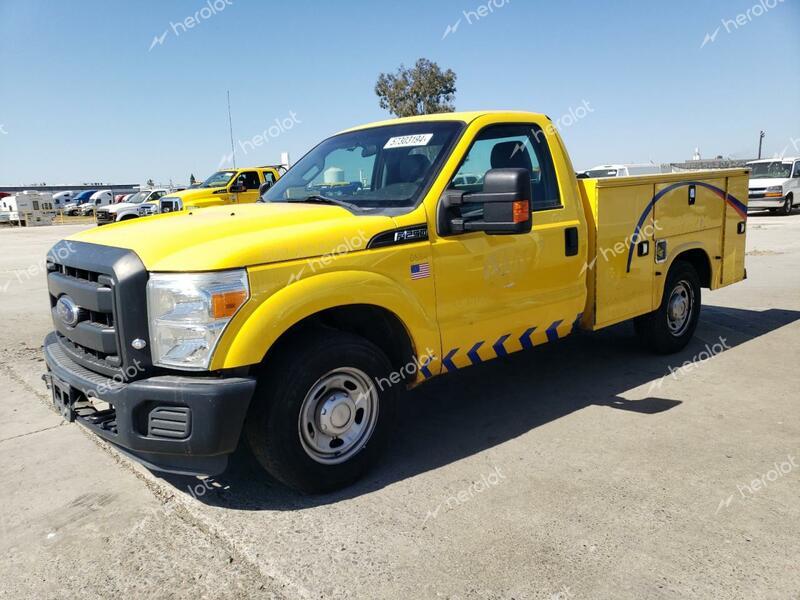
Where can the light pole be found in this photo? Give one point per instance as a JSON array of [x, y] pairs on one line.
[[760, 142]]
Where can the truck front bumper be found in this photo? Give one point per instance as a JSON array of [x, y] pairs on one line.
[[176, 424]]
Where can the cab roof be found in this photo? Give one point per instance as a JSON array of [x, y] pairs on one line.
[[464, 117], [786, 159]]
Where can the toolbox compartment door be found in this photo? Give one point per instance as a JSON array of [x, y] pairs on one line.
[[623, 291], [688, 206], [734, 231]]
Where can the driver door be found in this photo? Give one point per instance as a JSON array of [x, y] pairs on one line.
[[498, 294], [251, 181]]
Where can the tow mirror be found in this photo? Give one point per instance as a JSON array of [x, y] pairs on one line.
[[237, 187], [264, 187], [505, 201]]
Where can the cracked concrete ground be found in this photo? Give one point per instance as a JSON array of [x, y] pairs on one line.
[[583, 469]]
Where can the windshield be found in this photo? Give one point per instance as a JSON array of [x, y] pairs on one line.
[[767, 170], [218, 179], [138, 197], [597, 173], [381, 167]]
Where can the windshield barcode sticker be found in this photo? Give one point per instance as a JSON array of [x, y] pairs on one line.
[[404, 141]]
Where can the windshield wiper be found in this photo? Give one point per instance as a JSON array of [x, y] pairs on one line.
[[320, 199]]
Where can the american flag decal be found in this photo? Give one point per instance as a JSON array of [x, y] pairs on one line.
[[420, 271]]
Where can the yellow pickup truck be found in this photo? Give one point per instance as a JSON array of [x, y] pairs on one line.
[[390, 254], [231, 186]]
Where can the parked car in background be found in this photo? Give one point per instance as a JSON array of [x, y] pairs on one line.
[[630, 170], [118, 198], [73, 208], [130, 209], [774, 184], [98, 199], [231, 186]]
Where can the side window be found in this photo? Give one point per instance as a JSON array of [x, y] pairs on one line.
[[250, 180], [797, 169], [269, 177], [35, 205], [511, 146]]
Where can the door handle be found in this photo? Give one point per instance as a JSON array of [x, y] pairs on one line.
[[571, 241]]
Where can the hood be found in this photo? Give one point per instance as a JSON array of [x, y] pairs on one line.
[[766, 182], [226, 237], [123, 206], [191, 194]]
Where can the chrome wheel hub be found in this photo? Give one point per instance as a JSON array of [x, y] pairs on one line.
[[338, 415], [679, 308]]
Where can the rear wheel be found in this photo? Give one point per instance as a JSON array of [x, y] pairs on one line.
[[669, 328], [319, 419]]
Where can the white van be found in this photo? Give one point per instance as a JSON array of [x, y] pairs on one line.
[[101, 198], [774, 184]]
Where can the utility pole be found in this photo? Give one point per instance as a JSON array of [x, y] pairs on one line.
[[230, 126], [760, 142]]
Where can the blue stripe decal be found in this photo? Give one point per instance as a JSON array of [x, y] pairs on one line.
[[498, 347], [552, 331], [525, 338], [447, 361], [737, 205], [423, 368], [473, 353]]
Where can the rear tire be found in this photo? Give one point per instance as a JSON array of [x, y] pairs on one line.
[[318, 419], [670, 327]]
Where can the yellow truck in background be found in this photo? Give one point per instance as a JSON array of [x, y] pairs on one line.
[[390, 254], [230, 186]]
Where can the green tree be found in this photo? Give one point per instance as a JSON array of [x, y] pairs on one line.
[[421, 90]]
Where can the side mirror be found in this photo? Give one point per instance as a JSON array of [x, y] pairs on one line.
[[237, 187], [505, 200], [264, 187]]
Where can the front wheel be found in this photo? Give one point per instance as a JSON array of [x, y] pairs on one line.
[[323, 411], [669, 328], [788, 206]]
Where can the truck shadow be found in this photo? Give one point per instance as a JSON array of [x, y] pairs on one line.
[[464, 413]]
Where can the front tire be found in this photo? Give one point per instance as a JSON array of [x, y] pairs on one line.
[[670, 327], [322, 414], [788, 206]]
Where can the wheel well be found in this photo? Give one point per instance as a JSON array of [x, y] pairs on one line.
[[699, 260], [374, 323]]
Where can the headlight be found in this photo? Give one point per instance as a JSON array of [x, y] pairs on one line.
[[775, 188], [188, 313]]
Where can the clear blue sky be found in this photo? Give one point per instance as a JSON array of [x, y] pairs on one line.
[[84, 98]]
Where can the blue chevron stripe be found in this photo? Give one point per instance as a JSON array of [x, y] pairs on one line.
[[447, 361], [423, 368], [552, 331], [525, 338], [498, 347], [577, 321], [473, 353]]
